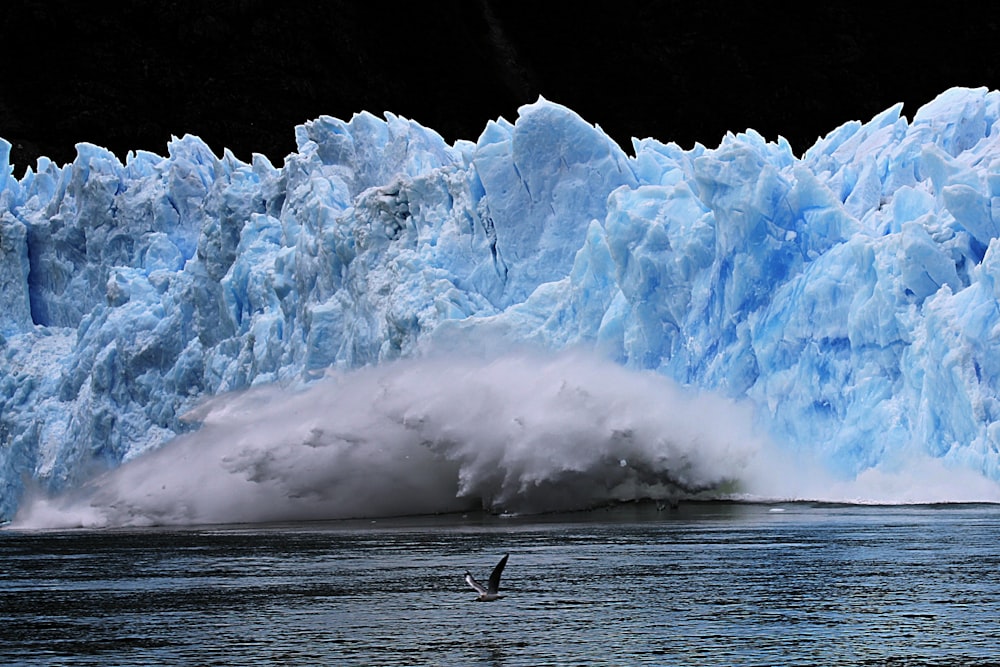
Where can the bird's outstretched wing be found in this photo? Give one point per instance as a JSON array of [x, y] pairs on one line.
[[494, 583], [469, 579]]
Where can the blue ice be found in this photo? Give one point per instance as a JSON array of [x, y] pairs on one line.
[[849, 295]]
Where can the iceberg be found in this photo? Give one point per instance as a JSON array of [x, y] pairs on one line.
[[197, 313]]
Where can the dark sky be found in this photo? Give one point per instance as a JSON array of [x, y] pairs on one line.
[[242, 74]]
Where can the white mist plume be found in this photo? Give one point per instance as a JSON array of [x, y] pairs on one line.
[[519, 433], [916, 480]]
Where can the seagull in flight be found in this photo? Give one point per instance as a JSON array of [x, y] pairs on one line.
[[489, 592]]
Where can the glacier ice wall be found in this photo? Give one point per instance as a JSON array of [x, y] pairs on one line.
[[850, 295]]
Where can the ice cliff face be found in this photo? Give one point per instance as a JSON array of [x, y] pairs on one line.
[[851, 295]]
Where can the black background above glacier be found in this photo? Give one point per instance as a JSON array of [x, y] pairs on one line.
[[240, 74]]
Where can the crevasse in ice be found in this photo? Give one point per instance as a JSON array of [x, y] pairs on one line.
[[850, 295]]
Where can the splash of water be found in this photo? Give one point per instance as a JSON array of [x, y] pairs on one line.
[[518, 433]]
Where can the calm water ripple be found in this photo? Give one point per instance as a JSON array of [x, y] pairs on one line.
[[712, 584]]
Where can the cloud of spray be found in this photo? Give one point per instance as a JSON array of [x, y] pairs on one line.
[[517, 433], [919, 479]]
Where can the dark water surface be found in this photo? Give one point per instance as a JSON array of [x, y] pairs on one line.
[[705, 584]]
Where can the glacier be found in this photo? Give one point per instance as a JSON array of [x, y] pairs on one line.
[[708, 314]]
